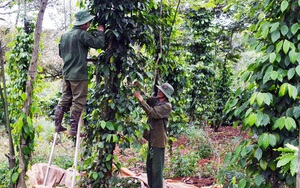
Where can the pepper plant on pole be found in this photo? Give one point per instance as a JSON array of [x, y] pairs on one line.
[[111, 111], [269, 104]]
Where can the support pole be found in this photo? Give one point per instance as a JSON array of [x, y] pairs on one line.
[[80, 123], [50, 158]]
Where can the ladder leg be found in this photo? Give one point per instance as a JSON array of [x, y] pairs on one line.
[[50, 158], [80, 123]]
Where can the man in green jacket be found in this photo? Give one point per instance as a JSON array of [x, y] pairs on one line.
[[158, 113], [73, 49]]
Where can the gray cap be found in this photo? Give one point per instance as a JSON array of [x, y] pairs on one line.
[[82, 17], [167, 89]]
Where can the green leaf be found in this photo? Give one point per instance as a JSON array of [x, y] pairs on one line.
[[282, 90], [265, 120], [101, 145], [263, 164], [115, 138], [275, 36], [279, 46], [95, 175], [298, 70], [260, 99], [263, 140], [293, 56], [274, 75], [292, 91], [294, 28], [265, 30], [274, 26], [258, 180], [242, 183], [252, 99], [272, 57], [284, 5], [258, 154], [284, 30], [252, 119], [108, 157], [110, 126], [293, 166], [120, 128], [290, 123], [286, 46], [101, 174], [15, 177], [296, 112], [291, 73], [245, 76], [285, 159], [23, 96], [244, 151], [272, 139], [108, 137], [279, 123], [268, 98], [266, 77], [103, 124]]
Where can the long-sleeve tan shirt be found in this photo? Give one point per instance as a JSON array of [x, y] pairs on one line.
[[158, 118]]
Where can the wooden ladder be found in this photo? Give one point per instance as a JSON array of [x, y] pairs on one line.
[[80, 123]]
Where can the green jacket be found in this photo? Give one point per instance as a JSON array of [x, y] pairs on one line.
[[73, 49], [158, 119]]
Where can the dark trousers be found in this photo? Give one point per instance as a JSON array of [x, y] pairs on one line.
[[155, 166], [74, 95]]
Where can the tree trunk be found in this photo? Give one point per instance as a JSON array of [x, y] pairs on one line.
[[298, 168], [11, 156], [29, 89]]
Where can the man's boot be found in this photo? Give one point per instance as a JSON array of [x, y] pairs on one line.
[[75, 115], [59, 115]]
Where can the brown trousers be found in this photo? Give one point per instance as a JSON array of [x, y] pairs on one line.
[[74, 94]]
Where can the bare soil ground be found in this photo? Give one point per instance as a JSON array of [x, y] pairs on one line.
[[222, 141]]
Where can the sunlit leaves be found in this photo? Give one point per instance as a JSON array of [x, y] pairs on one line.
[[298, 70], [295, 27], [288, 88], [291, 73], [266, 139], [265, 30], [293, 56], [286, 46], [261, 98], [275, 36], [284, 5], [272, 57], [273, 110], [279, 46], [285, 122], [251, 119], [288, 159], [242, 183], [284, 30]]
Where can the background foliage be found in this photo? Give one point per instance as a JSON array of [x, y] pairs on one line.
[[197, 47]]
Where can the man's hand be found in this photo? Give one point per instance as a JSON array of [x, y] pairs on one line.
[[100, 28], [138, 96]]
